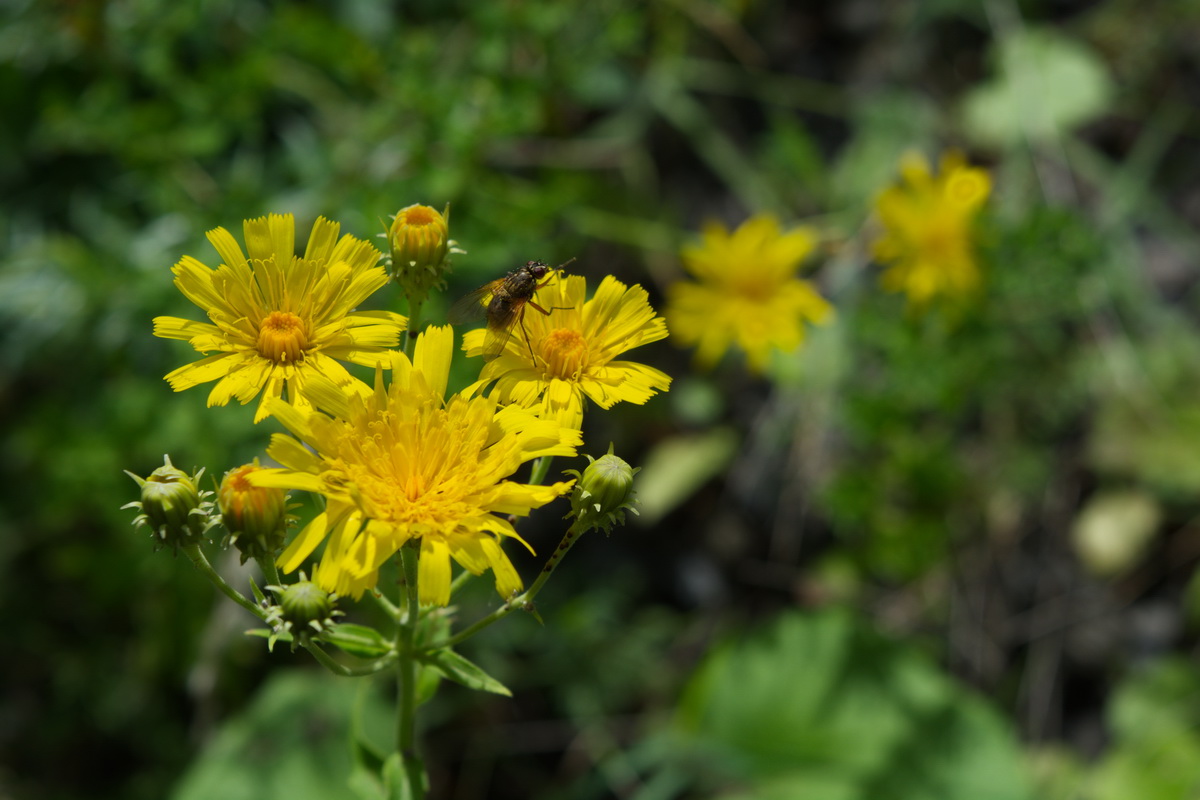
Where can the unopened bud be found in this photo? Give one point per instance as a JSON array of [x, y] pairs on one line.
[[603, 492], [172, 505], [255, 516], [420, 243]]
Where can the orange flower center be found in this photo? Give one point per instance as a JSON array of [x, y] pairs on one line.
[[419, 215], [282, 338], [565, 353]]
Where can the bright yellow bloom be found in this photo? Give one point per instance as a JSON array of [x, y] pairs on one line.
[[278, 319], [747, 292], [402, 464], [929, 238], [551, 362]]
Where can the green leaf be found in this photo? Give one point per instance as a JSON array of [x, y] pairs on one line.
[[1046, 84], [399, 787], [458, 669], [819, 706], [677, 468], [290, 742], [357, 640]]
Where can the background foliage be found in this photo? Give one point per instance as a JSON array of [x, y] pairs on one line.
[[1009, 494]]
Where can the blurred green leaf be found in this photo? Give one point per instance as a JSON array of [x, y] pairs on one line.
[[1155, 721], [291, 743], [1046, 84], [676, 468], [822, 708]]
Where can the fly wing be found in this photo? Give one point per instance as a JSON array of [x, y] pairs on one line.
[[500, 326], [471, 307]]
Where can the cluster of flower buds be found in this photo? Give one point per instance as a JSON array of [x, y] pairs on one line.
[[603, 492], [420, 245], [172, 506]]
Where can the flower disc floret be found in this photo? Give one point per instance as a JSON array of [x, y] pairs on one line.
[[278, 319], [556, 361], [404, 464]]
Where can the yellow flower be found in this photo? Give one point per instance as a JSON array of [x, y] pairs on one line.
[[747, 292], [278, 319], [929, 239], [403, 464], [551, 362]]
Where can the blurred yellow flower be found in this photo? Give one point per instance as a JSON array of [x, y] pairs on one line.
[[279, 319], [928, 238], [403, 463], [552, 362], [747, 293]]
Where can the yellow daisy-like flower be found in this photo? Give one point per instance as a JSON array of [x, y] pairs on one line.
[[747, 292], [279, 319], [552, 362], [928, 221], [402, 463]]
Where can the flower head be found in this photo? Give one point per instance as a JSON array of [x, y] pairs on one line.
[[929, 237], [419, 238], [403, 463], [255, 517], [278, 319], [553, 361], [746, 293], [603, 492], [172, 505]]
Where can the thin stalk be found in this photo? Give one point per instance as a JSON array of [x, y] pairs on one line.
[[406, 676], [523, 600], [541, 468], [327, 661], [414, 327], [192, 551]]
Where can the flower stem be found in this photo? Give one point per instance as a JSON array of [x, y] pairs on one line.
[[192, 551], [541, 468], [343, 670], [406, 676], [414, 327], [524, 600]]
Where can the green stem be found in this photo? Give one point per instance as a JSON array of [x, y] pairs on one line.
[[192, 551], [541, 468], [414, 327], [269, 570], [389, 608], [523, 601], [342, 669], [406, 676]]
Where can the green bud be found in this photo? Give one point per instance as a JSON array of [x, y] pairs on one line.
[[172, 505], [255, 516], [603, 492], [304, 609], [419, 239]]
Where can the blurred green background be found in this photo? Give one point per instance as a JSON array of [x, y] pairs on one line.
[[926, 558]]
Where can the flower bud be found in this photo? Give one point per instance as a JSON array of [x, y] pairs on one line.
[[255, 516], [172, 505], [420, 243], [603, 492]]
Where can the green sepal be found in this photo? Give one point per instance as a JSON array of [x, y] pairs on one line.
[[458, 669], [258, 595], [271, 636], [357, 640]]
